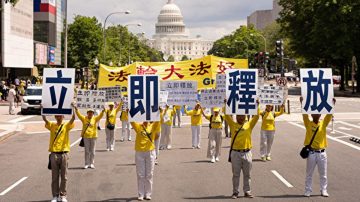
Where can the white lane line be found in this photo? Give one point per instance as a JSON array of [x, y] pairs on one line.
[[344, 128], [282, 179], [344, 136], [77, 141], [331, 137], [349, 124], [20, 119], [347, 134], [13, 186]]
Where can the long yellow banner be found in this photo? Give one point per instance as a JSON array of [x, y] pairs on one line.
[[203, 70]]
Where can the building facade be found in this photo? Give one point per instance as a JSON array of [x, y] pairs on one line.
[[262, 18], [173, 39]]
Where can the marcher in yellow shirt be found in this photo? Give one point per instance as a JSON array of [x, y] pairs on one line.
[[215, 134], [177, 109], [89, 134], [268, 130], [110, 125], [166, 130], [196, 122], [59, 146], [317, 155], [125, 125], [158, 136], [145, 157], [240, 153]]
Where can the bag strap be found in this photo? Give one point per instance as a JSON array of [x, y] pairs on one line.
[[57, 133], [313, 137], [147, 134], [107, 116], [232, 144], [83, 133]]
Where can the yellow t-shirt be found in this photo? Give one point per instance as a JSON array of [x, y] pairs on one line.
[[168, 115], [91, 130], [142, 142], [196, 119], [62, 142], [216, 121], [111, 115], [320, 141], [268, 119], [124, 116], [243, 139]]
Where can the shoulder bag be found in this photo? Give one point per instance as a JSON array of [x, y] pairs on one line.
[[304, 153]]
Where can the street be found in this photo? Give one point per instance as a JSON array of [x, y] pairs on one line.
[[183, 174]]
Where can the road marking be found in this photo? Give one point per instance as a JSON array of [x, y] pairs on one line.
[[77, 141], [337, 131], [344, 128], [13, 186], [344, 136], [331, 137], [20, 119], [349, 124], [281, 178]]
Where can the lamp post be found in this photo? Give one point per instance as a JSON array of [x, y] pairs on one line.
[[247, 47], [104, 33], [66, 36], [96, 62], [133, 24]]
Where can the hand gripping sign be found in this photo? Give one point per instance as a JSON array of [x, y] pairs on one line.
[[144, 98], [58, 91], [317, 89], [241, 92]]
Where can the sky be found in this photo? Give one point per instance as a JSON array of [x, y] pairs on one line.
[[212, 19]]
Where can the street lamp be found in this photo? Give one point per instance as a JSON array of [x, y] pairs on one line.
[[133, 24], [104, 34], [96, 62], [247, 47]]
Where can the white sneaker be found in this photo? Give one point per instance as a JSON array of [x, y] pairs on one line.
[[324, 193], [107, 149], [217, 159], [63, 199], [112, 149], [147, 198], [55, 199], [193, 147], [168, 147], [92, 166], [140, 198], [198, 147], [129, 139], [307, 194], [122, 140], [212, 160], [86, 166]]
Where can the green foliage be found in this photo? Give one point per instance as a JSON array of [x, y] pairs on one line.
[[84, 41], [184, 58], [171, 59]]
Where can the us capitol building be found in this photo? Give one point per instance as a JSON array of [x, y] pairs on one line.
[[172, 37]]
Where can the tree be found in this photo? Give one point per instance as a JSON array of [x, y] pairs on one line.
[[171, 59], [184, 58], [84, 41], [324, 32]]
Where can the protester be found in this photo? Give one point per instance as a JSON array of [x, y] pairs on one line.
[[317, 155], [11, 98], [226, 128], [20, 92], [125, 125], [177, 109], [89, 134], [215, 134], [268, 130], [196, 122], [158, 136], [110, 125], [145, 157], [241, 156], [59, 146], [166, 130]]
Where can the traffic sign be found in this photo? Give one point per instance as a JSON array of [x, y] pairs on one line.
[[281, 81]]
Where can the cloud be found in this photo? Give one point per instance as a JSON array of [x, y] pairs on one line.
[[212, 19]]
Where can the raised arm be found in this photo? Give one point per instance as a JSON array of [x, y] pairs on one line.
[[79, 115], [255, 118], [45, 120], [282, 110], [186, 111], [118, 108], [328, 117], [72, 119], [98, 117]]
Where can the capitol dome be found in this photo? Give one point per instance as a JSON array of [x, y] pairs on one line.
[[170, 21]]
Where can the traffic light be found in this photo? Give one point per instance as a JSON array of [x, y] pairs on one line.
[[267, 57], [261, 58], [256, 60], [279, 48]]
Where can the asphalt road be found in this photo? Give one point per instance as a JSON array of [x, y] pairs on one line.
[[185, 174]]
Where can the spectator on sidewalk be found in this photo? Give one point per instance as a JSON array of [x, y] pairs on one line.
[[11, 98], [89, 134], [59, 147]]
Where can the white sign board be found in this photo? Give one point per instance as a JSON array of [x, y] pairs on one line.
[[212, 97], [90, 99], [181, 92], [58, 91], [271, 95], [163, 98], [113, 94], [241, 91], [221, 81], [317, 89], [144, 98]]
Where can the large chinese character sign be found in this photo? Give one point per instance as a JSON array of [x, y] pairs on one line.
[[144, 98], [317, 90], [58, 91], [241, 92]]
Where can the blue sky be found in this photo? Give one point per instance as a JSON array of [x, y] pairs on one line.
[[211, 19]]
